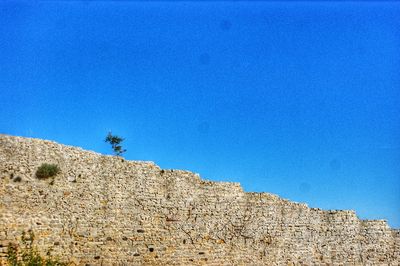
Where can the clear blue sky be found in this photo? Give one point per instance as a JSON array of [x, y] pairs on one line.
[[297, 99]]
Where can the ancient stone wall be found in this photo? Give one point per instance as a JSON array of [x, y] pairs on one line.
[[104, 210]]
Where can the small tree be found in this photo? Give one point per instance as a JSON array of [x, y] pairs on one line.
[[115, 142]]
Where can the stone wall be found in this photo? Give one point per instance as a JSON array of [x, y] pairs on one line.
[[104, 210]]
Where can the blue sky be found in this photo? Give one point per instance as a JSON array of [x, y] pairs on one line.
[[293, 98]]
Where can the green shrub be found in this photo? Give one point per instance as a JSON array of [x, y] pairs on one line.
[[47, 170], [27, 255]]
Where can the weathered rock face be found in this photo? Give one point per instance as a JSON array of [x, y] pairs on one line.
[[104, 210]]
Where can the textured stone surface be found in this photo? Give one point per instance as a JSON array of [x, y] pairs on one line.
[[104, 210]]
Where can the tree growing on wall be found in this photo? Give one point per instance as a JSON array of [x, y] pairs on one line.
[[115, 142]]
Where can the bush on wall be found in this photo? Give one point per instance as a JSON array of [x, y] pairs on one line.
[[47, 170], [27, 255]]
